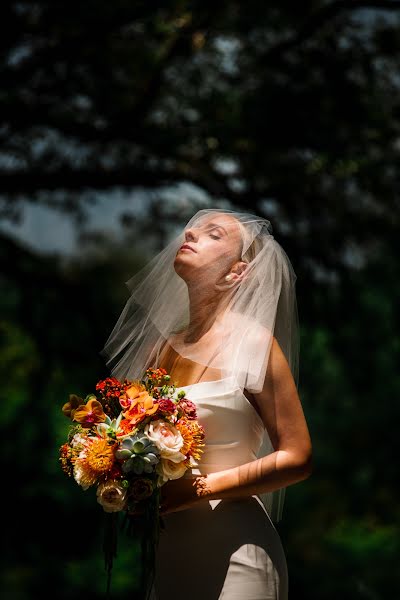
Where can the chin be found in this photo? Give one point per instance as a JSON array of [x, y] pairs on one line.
[[180, 267]]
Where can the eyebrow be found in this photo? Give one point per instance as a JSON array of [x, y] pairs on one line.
[[212, 225]]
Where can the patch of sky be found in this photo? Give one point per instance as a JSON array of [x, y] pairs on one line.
[[228, 49], [46, 228]]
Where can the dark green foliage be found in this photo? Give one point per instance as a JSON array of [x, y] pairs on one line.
[[340, 526], [289, 110]]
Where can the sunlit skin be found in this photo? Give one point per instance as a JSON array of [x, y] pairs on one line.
[[278, 403], [215, 236]]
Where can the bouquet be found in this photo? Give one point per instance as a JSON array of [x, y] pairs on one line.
[[127, 440]]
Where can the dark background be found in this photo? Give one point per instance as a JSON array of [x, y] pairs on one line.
[[288, 110]]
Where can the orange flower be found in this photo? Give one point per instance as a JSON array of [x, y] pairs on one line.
[[100, 456], [66, 459], [70, 407], [125, 427], [193, 437], [141, 405], [131, 393], [94, 462], [89, 414], [156, 373]]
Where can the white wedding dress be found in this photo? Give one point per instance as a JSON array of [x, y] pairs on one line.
[[222, 549]]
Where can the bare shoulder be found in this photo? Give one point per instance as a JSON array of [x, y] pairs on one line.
[[254, 331], [277, 363], [280, 407], [277, 373]]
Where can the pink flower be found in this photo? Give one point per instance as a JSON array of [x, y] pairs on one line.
[[167, 438], [166, 405], [189, 408]]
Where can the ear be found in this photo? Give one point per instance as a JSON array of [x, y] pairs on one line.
[[238, 271]]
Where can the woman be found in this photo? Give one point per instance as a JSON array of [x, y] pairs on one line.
[[217, 309]]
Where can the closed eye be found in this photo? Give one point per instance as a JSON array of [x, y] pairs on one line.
[[215, 237]]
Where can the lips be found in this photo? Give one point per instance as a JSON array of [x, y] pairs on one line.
[[187, 247]]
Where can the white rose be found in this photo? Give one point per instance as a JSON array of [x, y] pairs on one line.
[[78, 440], [168, 469], [167, 438], [79, 476], [111, 495]]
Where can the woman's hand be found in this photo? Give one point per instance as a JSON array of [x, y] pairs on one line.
[[183, 493]]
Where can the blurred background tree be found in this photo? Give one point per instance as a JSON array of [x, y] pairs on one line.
[[288, 111]]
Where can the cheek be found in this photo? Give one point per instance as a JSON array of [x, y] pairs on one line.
[[223, 259], [219, 252]]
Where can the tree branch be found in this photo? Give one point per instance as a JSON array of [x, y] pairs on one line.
[[321, 17], [65, 178]]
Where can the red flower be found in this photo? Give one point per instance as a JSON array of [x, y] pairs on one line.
[[115, 472], [189, 408], [166, 405], [156, 373]]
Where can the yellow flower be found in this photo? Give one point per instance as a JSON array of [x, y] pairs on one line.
[[100, 456], [94, 462], [193, 436], [66, 459], [89, 414], [70, 407]]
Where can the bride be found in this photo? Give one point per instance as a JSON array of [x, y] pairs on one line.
[[217, 309]]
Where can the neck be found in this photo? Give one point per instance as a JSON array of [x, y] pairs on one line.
[[205, 310]]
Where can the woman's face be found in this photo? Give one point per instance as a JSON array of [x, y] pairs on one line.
[[212, 245]]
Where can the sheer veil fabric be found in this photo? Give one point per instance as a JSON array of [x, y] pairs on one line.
[[211, 309]]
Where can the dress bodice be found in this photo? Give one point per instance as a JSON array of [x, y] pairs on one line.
[[234, 431]]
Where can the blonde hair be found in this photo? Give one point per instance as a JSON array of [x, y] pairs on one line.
[[254, 248]]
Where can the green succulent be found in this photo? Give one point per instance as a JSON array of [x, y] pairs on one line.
[[109, 428], [139, 454]]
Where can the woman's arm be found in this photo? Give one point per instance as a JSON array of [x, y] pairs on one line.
[[281, 411]]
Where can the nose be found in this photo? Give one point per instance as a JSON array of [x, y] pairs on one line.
[[190, 234]]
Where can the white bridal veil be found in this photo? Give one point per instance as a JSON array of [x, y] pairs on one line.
[[238, 316]]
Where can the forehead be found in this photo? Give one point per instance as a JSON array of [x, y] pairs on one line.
[[229, 223]]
